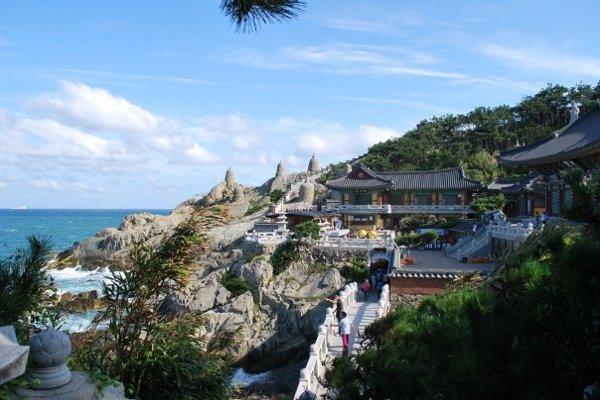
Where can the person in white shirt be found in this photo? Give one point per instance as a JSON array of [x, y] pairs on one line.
[[345, 329]]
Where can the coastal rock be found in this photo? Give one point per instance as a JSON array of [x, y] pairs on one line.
[[80, 302]]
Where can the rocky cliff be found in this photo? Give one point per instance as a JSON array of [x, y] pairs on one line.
[[268, 326]]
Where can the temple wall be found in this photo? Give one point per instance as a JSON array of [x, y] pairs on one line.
[[403, 285]]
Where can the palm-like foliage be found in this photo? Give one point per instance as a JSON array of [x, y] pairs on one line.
[[248, 15], [27, 289]]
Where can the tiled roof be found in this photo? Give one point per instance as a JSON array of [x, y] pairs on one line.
[[398, 273], [452, 178], [527, 184], [578, 139]]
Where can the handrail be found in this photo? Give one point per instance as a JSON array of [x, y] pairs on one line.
[[319, 350]]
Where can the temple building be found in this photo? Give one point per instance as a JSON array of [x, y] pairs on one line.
[[575, 145], [524, 196], [372, 199]]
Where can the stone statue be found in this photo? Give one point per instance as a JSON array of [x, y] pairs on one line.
[[574, 111]]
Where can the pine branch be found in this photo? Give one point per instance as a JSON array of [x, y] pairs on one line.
[[249, 15]]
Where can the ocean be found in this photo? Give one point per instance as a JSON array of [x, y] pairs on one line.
[[63, 227]]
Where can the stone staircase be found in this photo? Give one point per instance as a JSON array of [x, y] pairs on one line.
[[471, 246]]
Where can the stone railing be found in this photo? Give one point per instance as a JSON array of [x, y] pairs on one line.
[[398, 209], [383, 307], [266, 237], [516, 232], [319, 350], [353, 242]]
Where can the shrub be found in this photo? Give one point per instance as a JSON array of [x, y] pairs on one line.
[[275, 195], [317, 268], [254, 207], [488, 203], [28, 292], [428, 237], [154, 354], [407, 239], [530, 332], [283, 256], [308, 229], [356, 271], [235, 284]]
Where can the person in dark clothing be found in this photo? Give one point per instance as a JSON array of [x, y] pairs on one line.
[[339, 307]]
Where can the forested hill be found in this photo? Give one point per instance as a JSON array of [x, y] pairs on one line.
[[471, 139]]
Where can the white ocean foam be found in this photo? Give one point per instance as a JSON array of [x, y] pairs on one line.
[[77, 280]]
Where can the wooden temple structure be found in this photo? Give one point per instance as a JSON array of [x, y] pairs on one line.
[[575, 145], [372, 200]]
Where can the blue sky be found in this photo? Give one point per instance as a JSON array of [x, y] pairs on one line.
[[145, 103]]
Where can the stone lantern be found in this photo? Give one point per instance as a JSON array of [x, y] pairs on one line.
[[282, 223]]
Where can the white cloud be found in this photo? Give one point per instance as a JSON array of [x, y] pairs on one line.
[[356, 24], [2, 185], [541, 57], [344, 58], [333, 140], [50, 184], [199, 155], [98, 109]]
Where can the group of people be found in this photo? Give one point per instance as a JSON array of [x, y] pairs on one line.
[[377, 280]]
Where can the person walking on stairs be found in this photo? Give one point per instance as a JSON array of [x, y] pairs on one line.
[[345, 329]]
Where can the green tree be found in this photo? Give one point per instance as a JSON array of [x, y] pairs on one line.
[[488, 203], [307, 230], [482, 167]]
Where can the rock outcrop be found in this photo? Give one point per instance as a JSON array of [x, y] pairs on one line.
[[231, 192], [280, 180], [313, 165]]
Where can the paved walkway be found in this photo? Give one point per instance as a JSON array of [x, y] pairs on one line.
[[435, 260], [362, 313]]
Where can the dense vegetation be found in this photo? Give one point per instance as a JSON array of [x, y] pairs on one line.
[[531, 332], [471, 139], [155, 353]]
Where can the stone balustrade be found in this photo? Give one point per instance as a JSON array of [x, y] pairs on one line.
[[383, 306], [319, 350], [398, 209], [516, 232]]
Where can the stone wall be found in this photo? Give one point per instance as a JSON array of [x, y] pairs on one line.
[[335, 255]]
